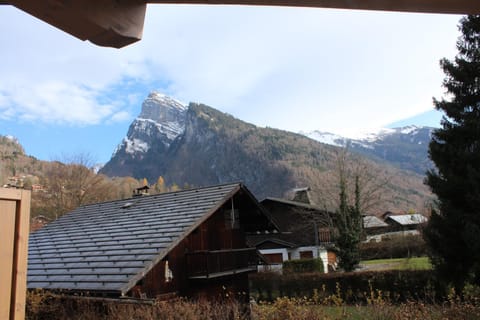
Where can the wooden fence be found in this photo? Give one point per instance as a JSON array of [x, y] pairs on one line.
[[14, 229]]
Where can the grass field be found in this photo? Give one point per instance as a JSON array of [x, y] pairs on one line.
[[417, 263], [407, 311]]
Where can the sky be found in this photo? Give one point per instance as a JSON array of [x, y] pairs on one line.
[[297, 69]]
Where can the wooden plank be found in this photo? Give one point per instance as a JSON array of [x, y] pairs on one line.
[[423, 6], [7, 236], [104, 22], [224, 273], [21, 254], [11, 194], [116, 23], [14, 231]]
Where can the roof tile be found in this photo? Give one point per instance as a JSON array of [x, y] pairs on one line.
[[103, 246]]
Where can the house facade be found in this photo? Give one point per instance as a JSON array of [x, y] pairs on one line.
[[189, 243], [305, 232]]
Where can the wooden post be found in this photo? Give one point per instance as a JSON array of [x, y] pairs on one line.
[[14, 229]]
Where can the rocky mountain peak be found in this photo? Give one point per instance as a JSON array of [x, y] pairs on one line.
[[160, 122], [162, 109], [200, 145]]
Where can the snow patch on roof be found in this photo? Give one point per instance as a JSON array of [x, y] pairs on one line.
[[409, 219]]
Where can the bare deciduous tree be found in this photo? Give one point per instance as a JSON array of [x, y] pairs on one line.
[[70, 184]]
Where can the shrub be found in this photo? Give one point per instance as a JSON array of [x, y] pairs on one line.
[[394, 247], [355, 287], [303, 265], [47, 306]]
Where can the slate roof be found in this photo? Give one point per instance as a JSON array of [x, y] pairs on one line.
[[109, 246], [292, 203], [408, 219], [373, 222]]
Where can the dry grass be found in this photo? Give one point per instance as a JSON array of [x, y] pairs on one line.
[[41, 305], [44, 305]]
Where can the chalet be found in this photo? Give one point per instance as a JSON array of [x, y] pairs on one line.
[[189, 243], [305, 231], [406, 223], [374, 228]]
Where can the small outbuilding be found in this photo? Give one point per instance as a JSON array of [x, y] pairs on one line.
[[189, 243]]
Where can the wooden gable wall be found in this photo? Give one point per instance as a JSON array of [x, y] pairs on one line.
[[216, 233]]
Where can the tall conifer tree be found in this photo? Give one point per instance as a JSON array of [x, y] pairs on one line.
[[453, 232]]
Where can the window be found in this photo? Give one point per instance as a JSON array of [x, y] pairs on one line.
[[274, 258], [306, 255]]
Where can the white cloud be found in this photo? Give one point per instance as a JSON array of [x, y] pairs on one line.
[[56, 102], [293, 68], [120, 117]]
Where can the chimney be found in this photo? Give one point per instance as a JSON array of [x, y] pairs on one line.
[[302, 195], [142, 191]]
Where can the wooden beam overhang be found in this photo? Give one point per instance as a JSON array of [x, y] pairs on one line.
[[117, 23]]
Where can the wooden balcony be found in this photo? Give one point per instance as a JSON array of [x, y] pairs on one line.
[[220, 263]]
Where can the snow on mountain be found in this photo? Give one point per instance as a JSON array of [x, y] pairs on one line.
[[136, 145], [406, 147], [162, 119], [326, 137], [409, 129], [363, 138]]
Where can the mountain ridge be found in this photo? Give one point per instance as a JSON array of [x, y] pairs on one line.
[[214, 147], [405, 147]]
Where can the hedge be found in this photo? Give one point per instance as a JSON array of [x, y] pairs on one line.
[[394, 247], [354, 287], [303, 265]]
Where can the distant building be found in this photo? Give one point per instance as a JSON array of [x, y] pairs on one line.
[[305, 231], [405, 222], [375, 229]]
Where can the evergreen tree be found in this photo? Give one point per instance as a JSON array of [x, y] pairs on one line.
[[453, 232], [349, 223]]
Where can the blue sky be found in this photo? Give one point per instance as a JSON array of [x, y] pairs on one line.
[[297, 69], [429, 118]]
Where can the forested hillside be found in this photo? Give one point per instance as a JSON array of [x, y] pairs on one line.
[[213, 147]]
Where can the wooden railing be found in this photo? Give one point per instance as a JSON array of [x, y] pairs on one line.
[[210, 264]]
